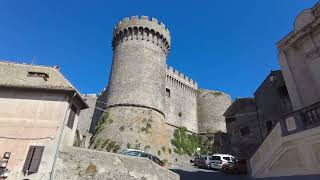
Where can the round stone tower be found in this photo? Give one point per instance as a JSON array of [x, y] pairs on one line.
[[211, 106], [134, 115]]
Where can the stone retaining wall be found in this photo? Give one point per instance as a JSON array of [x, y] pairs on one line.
[[82, 164]]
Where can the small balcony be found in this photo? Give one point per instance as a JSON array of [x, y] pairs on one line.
[[302, 119]]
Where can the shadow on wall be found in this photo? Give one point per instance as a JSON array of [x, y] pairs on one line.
[[202, 175]]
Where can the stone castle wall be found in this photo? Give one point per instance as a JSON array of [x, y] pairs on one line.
[[181, 100], [146, 100], [86, 115], [136, 89], [211, 106]]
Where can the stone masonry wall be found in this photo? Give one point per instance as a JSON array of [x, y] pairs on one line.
[[181, 100], [132, 127], [82, 164], [86, 115], [211, 106]]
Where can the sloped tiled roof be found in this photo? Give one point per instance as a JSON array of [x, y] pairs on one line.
[[33, 76]]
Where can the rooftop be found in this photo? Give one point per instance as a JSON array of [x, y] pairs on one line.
[[34, 77]]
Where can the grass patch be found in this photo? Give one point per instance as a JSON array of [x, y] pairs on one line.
[[216, 93]]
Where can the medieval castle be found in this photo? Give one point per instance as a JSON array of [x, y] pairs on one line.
[[146, 100]]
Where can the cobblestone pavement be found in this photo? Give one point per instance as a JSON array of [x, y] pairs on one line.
[[189, 172]]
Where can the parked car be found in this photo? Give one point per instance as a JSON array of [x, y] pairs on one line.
[[218, 160], [204, 162], [196, 160], [235, 167], [139, 153]]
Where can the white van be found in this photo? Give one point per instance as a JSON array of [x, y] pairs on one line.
[[218, 160]]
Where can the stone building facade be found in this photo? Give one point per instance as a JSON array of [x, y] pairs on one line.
[[299, 59], [146, 99], [38, 116], [292, 148], [272, 101], [243, 128], [250, 120]]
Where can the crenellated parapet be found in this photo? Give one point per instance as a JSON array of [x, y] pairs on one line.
[[142, 28], [182, 78]]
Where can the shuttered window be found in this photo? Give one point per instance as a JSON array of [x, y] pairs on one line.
[[72, 116], [33, 159]]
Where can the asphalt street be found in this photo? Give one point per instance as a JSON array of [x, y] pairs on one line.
[[194, 173]]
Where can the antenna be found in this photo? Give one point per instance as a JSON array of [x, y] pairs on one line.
[[33, 60]]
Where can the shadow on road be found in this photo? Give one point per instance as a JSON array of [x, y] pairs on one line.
[[309, 177], [207, 175], [216, 175]]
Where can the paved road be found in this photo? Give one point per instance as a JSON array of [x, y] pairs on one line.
[[194, 173]]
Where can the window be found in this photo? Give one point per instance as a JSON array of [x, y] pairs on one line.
[[72, 116], [133, 153], [215, 158], [33, 159], [45, 76], [230, 119], [168, 93], [269, 126], [226, 158], [244, 131]]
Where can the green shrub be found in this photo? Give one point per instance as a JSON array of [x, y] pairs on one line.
[[111, 146], [104, 144], [188, 143], [146, 147], [163, 149], [97, 144], [116, 148], [128, 145], [169, 150], [77, 140], [159, 152]]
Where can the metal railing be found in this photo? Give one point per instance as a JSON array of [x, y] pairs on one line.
[[305, 118]]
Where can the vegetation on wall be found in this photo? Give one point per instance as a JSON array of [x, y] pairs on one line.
[[146, 147], [104, 121], [188, 143], [77, 140], [148, 126], [216, 93]]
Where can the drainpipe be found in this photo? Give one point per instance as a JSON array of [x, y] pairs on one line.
[[258, 118], [61, 132]]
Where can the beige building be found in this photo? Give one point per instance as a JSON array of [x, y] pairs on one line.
[[38, 114], [293, 147], [299, 58]]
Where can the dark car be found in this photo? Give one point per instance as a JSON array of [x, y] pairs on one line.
[[196, 160], [235, 167], [139, 153], [204, 162]]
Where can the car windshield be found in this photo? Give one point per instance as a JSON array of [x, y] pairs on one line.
[[227, 158], [215, 158], [131, 153]]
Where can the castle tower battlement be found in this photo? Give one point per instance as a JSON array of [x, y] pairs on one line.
[[185, 80], [142, 28], [136, 89]]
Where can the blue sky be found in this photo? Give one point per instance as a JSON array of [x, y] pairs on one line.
[[223, 45]]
